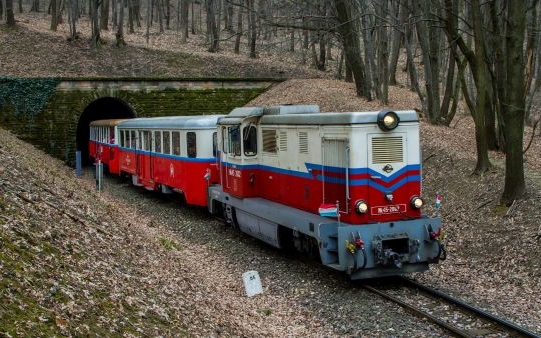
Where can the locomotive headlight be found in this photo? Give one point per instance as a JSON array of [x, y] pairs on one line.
[[387, 120], [361, 207], [416, 202]]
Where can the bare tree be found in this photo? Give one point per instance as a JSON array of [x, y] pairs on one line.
[[120, 28], [239, 31], [54, 15], [104, 9], [252, 31], [399, 15], [73, 15], [512, 102], [10, 17], [350, 42], [212, 27], [34, 8], [382, 51], [429, 36], [185, 11], [149, 19], [95, 40]]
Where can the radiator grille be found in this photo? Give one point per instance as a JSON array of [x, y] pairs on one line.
[[269, 141], [387, 150], [303, 142], [283, 141]]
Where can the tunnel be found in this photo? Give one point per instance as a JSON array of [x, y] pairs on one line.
[[100, 109]]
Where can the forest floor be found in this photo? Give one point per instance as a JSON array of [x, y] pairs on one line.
[[493, 251]]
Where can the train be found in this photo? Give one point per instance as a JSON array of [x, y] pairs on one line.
[[343, 187]]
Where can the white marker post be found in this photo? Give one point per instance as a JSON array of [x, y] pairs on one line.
[[252, 283]]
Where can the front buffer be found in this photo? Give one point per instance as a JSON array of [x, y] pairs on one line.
[[381, 249]]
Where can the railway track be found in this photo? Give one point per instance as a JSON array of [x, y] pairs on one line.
[[452, 314]]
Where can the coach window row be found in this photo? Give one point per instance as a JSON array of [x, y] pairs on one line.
[[103, 134], [165, 142]]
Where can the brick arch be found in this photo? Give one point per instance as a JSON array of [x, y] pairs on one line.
[[101, 108]]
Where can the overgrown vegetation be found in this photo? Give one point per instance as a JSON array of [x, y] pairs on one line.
[[27, 95]]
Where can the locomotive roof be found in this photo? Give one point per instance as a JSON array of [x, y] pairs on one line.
[[336, 118], [238, 114], [172, 122], [309, 115]]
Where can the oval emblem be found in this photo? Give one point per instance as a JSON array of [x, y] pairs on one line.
[[388, 168]]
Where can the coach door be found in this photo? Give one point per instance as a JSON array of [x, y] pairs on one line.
[[144, 156], [335, 172]]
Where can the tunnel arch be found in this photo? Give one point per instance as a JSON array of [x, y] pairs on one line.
[[100, 109]]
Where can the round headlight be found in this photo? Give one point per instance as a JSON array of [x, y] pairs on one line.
[[387, 120], [361, 207], [417, 202]]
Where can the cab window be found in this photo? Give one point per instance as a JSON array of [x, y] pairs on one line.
[[249, 138], [234, 141]]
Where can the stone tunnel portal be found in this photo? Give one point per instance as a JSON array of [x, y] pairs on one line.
[[100, 109]]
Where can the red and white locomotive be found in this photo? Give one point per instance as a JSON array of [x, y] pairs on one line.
[[344, 187]]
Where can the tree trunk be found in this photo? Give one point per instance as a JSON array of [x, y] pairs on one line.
[[239, 30], [414, 78], [429, 42], [229, 13], [72, 18], [131, 15], [513, 114], [400, 12], [95, 39], [339, 70], [212, 29], [10, 17], [185, 14], [382, 52], [348, 76], [250, 4], [350, 41], [104, 22], [34, 8], [193, 19], [54, 15], [167, 14], [149, 18], [120, 27], [292, 40], [159, 11]]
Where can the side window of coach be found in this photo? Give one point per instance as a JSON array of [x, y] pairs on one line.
[[191, 144], [176, 143], [158, 141], [167, 142]]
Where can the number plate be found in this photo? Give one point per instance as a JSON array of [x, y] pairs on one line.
[[388, 209]]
